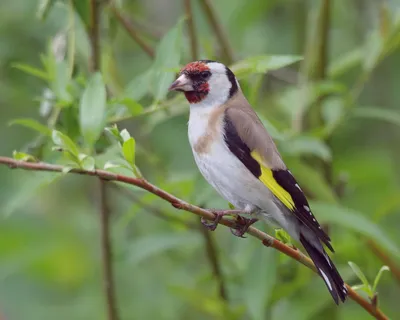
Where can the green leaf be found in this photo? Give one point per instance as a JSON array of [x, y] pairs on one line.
[[128, 149], [296, 100], [83, 10], [125, 135], [378, 277], [393, 38], [303, 145], [257, 286], [36, 72], [390, 116], [305, 304], [345, 63], [359, 287], [210, 305], [273, 131], [355, 221], [60, 82], [65, 143], [31, 124], [21, 156], [114, 132], [32, 182], [373, 50], [283, 236], [360, 274], [311, 179], [153, 245], [332, 111], [262, 64], [139, 86], [115, 164], [134, 107], [168, 55], [88, 163], [44, 8], [92, 111], [66, 169]]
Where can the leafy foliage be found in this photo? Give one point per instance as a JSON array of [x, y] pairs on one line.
[[342, 151], [365, 286]]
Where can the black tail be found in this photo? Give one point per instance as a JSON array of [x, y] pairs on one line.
[[326, 270]]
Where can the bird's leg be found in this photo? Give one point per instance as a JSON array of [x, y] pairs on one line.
[[219, 214], [242, 225]]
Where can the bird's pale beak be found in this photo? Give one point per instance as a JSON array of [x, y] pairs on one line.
[[183, 83]]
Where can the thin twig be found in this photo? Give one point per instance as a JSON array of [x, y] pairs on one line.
[[323, 40], [219, 33], [125, 22], [191, 29], [106, 247], [94, 34], [266, 239], [387, 260], [148, 29], [212, 255], [321, 71]]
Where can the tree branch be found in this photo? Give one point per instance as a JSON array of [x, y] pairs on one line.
[[106, 246], [94, 34], [219, 33], [108, 282], [212, 256], [387, 260], [125, 22], [266, 239], [191, 29]]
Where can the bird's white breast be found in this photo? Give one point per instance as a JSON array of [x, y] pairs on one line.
[[198, 123], [226, 173]]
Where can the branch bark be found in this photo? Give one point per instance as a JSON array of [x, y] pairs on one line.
[[266, 239], [106, 246], [94, 34], [107, 256], [128, 26], [219, 33], [191, 29], [385, 258], [212, 256]]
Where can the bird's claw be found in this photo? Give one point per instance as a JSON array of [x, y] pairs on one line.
[[211, 225], [219, 214], [242, 225]]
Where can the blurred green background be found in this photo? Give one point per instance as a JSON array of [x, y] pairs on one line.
[[335, 116]]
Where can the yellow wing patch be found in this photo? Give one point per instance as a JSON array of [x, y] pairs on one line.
[[268, 179]]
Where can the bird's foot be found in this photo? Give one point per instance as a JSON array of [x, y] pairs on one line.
[[219, 214], [242, 225]]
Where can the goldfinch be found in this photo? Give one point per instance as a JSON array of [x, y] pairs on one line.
[[237, 156]]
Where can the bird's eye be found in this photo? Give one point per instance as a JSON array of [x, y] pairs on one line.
[[204, 74]]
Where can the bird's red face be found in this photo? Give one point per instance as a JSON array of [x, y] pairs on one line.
[[193, 81]]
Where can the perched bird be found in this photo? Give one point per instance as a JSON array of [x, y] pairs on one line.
[[237, 156]]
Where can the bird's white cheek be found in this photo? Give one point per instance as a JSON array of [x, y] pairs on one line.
[[219, 87]]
